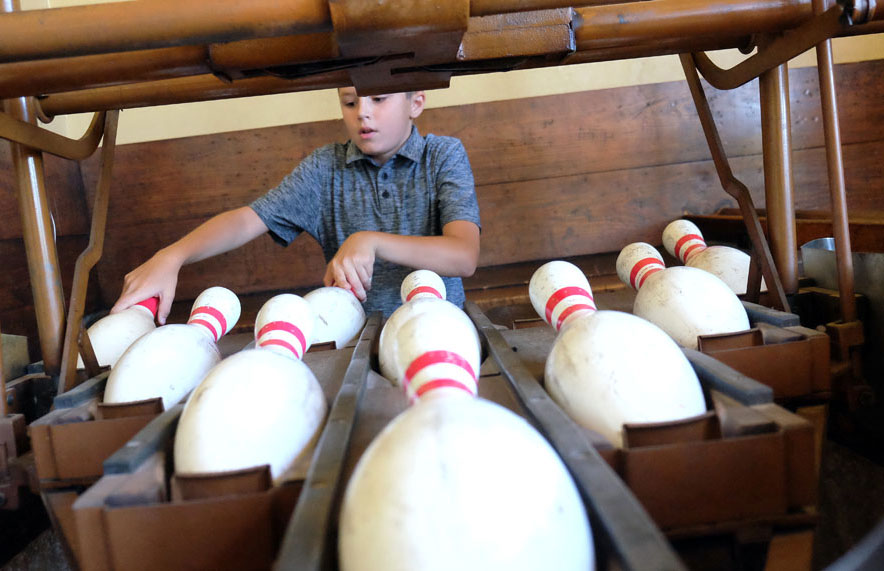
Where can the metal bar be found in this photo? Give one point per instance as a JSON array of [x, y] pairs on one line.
[[148, 441], [491, 7], [835, 164], [183, 90], [732, 186], [716, 375], [128, 26], [65, 74], [776, 143], [614, 511], [305, 544], [632, 22], [3, 405], [36, 138], [88, 258], [37, 232]]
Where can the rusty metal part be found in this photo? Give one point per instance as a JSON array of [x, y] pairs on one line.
[[30, 135], [524, 34], [776, 140], [82, 30], [734, 187], [776, 51], [306, 541], [615, 513], [835, 164], [87, 260]]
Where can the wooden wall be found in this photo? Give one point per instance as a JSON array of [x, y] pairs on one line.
[[561, 175]]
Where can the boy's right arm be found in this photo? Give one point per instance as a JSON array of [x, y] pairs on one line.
[[159, 275]]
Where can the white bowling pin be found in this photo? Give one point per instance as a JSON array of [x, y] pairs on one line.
[[170, 361], [684, 240], [560, 292], [259, 406], [435, 489], [422, 283], [339, 315], [592, 371], [684, 302], [111, 335], [421, 293]]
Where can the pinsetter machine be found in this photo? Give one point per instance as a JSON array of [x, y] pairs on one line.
[[750, 464]]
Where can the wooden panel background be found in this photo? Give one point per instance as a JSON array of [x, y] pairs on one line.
[[556, 176]]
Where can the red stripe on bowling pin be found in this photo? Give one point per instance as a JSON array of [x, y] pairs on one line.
[[438, 383], [214, 313], [647, 264], [561, 294], [684, 240], [423, 289], [281, 343], [434, 358], [567, 313], [286, 327]]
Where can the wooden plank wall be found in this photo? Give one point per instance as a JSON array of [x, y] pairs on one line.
[[561, 175]]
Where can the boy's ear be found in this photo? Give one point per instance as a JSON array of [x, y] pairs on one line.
[[416, 104]]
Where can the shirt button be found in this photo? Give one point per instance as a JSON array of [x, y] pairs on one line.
[[383, 176], [386, 194]]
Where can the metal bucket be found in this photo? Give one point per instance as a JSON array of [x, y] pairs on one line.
[[868, 270]]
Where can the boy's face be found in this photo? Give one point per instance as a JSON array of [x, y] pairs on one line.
[[379, 124]]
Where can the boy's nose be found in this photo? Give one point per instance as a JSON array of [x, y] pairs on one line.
[[363, 108]]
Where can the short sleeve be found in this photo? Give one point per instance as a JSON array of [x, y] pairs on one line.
[[295, 205], [456, 190]]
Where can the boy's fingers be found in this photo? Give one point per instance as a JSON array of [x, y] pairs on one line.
[[164, 309]]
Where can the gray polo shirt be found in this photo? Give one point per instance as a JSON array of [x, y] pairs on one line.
[[337, 191]]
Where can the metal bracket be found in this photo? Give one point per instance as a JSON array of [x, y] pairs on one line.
[[41, 139], [783, 47], [75, 334]]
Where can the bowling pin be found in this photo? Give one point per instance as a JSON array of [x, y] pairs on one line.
[[684, 240], [437, 488], [559, 292], [111, 335], [684, 302], [592, 371], [339, 315], [170, 361], [421, 294], [420, 284], [259, 406]]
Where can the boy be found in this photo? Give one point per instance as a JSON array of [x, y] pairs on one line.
[[387, 201]]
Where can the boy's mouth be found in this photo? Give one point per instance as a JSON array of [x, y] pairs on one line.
[[366, 133]]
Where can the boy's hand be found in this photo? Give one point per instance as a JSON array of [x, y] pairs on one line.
[[156, 277], [353, 264]]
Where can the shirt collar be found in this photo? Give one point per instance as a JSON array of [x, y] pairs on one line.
[[413, 149]]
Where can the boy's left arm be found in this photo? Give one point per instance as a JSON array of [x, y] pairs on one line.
[[454, 253]]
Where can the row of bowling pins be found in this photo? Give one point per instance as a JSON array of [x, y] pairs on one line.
[[259, 406], [609, 368], [436, 488], [338, 314], [684, 241]]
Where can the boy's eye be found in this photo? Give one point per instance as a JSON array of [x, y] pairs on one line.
[[378, 99], [349, 103]]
